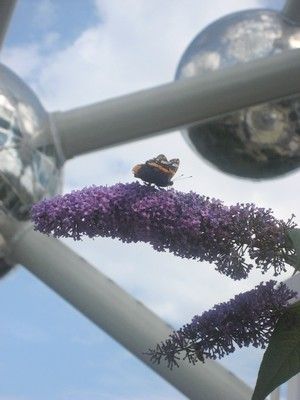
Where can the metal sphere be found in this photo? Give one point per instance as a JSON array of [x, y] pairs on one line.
[[257, 142], [30, 164]]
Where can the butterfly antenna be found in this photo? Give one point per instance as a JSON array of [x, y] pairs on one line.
[[181, 177]]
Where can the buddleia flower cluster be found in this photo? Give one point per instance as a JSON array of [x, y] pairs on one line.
[[248, 318], [234, 238]]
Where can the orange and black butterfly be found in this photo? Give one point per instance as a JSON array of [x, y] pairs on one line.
[[157, 170]]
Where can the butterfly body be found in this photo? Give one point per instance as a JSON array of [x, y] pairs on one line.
[[158, 170]]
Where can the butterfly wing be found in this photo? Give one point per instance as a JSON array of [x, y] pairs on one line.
[[157, 170], [174, 165]]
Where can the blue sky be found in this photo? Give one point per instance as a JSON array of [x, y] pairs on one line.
[[33, 18], [73, 53]]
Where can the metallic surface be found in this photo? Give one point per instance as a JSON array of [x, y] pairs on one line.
[[258, 142], [29, 160], [178, 104], [127, 320]]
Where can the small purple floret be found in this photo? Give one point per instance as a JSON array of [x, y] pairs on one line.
[[248, 318], [186, 224]]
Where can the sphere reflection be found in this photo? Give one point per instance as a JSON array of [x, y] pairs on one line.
[[257, 142], [29, 160]]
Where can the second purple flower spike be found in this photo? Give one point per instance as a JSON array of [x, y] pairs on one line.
[[248, 318], [189, 225]]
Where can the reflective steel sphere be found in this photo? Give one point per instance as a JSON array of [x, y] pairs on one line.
[[30, 167], [257, 142]]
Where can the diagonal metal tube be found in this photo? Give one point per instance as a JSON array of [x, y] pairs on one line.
[[6, 10], [177, 104], [120, 315], [127, 320]]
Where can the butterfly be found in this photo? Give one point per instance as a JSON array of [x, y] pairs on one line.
[[157, 170]]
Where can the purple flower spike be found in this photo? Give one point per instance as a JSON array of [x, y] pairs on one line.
[[248, 318], [186, 224]]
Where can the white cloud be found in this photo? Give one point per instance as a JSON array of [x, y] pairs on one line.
[[131, 48], [24, 60]]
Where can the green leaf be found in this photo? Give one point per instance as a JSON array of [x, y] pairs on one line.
[[281, 360], [294, 235]]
